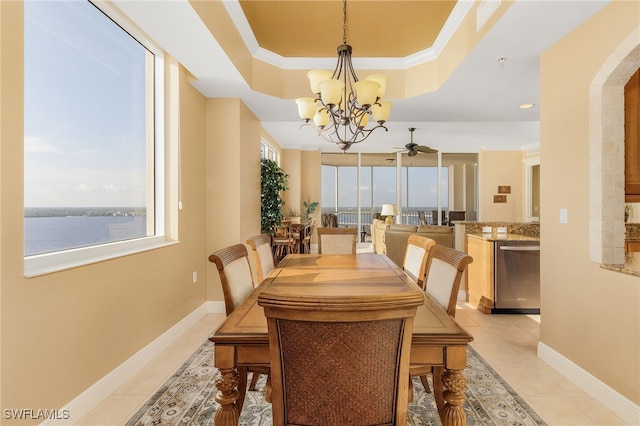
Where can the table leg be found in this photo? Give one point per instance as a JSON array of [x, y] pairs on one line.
[[227, 383], [454, 383]]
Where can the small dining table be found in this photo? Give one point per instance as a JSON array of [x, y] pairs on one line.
[[242, 339]]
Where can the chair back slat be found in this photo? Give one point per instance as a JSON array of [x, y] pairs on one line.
[[262, 255], [445, 267], [235, 274], [415, 257], [337, 240]]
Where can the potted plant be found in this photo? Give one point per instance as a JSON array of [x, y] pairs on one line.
[[273, 180], [309, 209]]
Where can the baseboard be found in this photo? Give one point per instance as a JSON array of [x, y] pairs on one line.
[[104, 387], [611, 399], [462, 295], [216, 307]]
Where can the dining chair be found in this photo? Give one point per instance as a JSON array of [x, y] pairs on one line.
[[235, 274], [283, 242], [337, 240], [457, 216], [305, 247], [237, 284], [422, 218], [262, 254], [415, 257], [341, 342], [434, 217], [329, 220], [445, 267], [298, 232]]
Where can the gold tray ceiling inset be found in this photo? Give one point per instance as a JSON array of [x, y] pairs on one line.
[[375, 29]]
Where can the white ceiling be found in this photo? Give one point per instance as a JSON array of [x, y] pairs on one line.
[[477, 107]]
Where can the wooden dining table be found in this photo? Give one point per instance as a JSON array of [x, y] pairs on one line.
[[242, 340]]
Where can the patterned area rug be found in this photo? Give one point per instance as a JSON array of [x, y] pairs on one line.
[[187, 398]]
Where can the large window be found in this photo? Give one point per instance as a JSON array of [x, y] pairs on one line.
[[420, 192], [428, 183], [93, 123]]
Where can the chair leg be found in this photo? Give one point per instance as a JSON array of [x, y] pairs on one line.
[[254, 380], [242, 387], [425, 383], [438, 387], [410, 390], [267, 389]]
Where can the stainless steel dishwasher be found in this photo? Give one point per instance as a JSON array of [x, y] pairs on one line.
[[517, 277]]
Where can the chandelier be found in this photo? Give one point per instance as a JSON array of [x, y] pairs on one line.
[[343, 104]]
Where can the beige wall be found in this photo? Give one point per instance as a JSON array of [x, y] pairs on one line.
[[291, 163], [305, 180], [232, 180], [500, 168], [590, 315], [311, 189]]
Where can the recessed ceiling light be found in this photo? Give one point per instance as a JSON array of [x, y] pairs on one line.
[[526, 106]]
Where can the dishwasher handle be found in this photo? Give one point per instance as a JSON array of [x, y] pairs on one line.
[[520, 248]]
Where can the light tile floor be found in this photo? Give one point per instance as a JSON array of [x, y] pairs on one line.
[[507, 342]]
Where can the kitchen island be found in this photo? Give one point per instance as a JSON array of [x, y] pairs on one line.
[[504, 275]]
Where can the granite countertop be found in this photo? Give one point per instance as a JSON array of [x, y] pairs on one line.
[[631, 265], [492, 236], [513, 228], [632, 231]]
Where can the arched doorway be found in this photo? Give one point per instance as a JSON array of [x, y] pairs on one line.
[[606, 183]]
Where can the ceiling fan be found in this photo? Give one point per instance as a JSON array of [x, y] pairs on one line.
[[413, 148]]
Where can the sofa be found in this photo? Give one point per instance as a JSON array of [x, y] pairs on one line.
[[392, 239]]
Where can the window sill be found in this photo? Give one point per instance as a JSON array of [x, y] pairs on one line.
[[48, 263]]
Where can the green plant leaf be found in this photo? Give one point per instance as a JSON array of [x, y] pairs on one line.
[[273, 181]]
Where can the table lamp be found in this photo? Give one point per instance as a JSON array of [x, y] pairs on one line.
[[388, 210]]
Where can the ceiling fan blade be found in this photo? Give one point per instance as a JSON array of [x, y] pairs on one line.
[[426, 150]]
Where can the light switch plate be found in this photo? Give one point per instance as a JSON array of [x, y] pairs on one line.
[[563, 215]]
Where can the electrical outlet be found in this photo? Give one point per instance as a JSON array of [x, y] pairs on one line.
[[195, 277]]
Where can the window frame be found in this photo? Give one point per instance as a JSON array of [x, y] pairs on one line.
[[268, 151], [165, 136]]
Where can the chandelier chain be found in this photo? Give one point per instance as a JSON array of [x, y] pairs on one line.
[[344, 22]]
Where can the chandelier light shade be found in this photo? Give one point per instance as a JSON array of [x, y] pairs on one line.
[[342, 104]]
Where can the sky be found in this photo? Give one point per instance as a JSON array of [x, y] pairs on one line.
[[84, 140]]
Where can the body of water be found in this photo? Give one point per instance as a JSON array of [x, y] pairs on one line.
[[49, 234]]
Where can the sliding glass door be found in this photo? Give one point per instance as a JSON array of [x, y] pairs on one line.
[[354, 186]]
